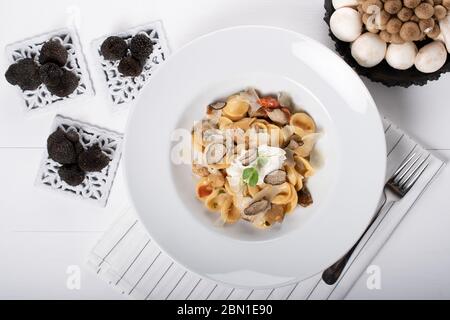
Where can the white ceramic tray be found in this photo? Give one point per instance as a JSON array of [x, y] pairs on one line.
[[122, 91], [41, 99], [97, 185]]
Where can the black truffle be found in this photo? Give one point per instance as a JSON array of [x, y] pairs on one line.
[[78, 148], [61, 149], [93, 159], [130, 67], [73, 136], [114, 48], [67, 84], [141, 47], [25, 74], [51, 74], [71, 174], [53, 51]]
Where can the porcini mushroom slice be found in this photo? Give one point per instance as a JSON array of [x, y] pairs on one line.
[[278, 116], [275, 214], [218, 105], [304, 197], [275, 178], [295, 142], [257, 207], [287, 132], [215, 152]]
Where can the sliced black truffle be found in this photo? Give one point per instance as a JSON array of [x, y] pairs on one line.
[[141, 47], [130, 67], [61, 149], [25, 74], [67, 84], [114, 48], [93, 159], [53, 51], [71, 174], [51, 74]]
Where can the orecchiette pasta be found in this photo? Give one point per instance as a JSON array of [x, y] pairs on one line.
[[236, 108], [254, 158]]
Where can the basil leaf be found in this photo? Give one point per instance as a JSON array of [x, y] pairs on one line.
[[253, 180], [247, 173]]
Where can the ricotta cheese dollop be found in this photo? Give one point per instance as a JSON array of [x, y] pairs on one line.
[[268, 160]]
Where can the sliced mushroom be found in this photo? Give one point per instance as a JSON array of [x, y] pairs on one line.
[[275, 214], [304, 197], [295, 142], [290, 161], [278, 116], [217, 105], [257, 207], [215, 152], [200, 170], [248, 157], [275, 178], [287, 132]]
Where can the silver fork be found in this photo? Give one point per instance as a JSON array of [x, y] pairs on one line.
[[395, 189]]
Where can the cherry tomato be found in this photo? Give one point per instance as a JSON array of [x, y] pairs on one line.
[[204, 191], [269, 102]]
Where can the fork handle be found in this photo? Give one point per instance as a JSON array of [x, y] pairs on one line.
[[332, 273]]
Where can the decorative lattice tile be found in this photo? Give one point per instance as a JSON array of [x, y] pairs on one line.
[[124, 90], [96, 185], [41, 99]]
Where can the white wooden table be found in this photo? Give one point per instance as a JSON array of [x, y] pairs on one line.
[[43, 235]]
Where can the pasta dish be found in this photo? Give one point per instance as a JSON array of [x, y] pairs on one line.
[[252, 156]]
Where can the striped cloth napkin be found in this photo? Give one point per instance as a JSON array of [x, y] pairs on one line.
[[128, 259]]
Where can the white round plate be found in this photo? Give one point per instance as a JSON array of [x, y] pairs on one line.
[[346, 189]]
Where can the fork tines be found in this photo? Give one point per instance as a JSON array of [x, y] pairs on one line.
[[408, 173]]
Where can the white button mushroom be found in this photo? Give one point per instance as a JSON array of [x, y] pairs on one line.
[[346, 24], [368, 50], [431, 57], [401, 56], [337, 4], [444, 25]]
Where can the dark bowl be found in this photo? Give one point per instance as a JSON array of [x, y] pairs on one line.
[[383, 73]]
